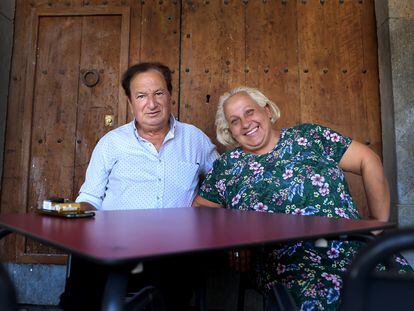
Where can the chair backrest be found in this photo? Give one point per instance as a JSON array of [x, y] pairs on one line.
[[8, 300], [367, 289]]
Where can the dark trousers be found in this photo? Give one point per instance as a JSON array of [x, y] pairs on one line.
[[175, 277]]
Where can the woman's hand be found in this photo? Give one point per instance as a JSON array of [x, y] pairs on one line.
[[239, 260], [200, 201]]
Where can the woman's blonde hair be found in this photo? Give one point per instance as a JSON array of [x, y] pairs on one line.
[[222, 126]]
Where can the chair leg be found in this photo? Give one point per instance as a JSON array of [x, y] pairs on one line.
[[279, 299], [242, 292], [201, 294]]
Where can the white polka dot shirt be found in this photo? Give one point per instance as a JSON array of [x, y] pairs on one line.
[[127, 172]]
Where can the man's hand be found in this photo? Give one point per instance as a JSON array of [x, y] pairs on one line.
[[87, 207]]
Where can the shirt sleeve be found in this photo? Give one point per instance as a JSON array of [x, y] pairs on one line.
[[332, 143], [96, 178], [210, 154], [213, 188]]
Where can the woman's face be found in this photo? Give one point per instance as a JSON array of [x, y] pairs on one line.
[[250, 124]]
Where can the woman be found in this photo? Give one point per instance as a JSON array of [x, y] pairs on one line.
[[298, 170]]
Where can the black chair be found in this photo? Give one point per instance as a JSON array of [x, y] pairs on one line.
[[367, 289], [8, 299]]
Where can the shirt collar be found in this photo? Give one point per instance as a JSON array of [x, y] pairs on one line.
[[170, 134]]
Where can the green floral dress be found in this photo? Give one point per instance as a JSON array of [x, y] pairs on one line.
[[299, 176]]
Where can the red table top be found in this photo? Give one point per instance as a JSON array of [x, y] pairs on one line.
[[114, 237]]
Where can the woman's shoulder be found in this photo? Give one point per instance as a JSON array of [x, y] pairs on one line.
[[306, 129]]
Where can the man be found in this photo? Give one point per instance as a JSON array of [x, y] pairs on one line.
[[154, 161]]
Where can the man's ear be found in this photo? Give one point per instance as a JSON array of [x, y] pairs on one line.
[[129, 103]]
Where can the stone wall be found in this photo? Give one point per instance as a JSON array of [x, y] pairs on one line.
[[395, 29]]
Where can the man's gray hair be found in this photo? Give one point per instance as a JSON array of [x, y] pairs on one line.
[[222, 127]]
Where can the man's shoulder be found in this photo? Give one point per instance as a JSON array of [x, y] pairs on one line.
[[187, 128], [123, 131]]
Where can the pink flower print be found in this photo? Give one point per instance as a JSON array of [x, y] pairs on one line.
[[317, 180], [235, 200], [287, 174], [235, 154], [302, 141], [221, 186], [334, 278], [333, 253], [256, 167], [260, 207], [340, 212], [327, 276], [280, 268], [334, 137], [324, 190], [343, 195], [327, 134], [315, 259], [297, 211]]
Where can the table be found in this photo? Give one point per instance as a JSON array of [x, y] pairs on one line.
[[118, 237]]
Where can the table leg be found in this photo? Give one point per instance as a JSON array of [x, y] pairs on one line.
[[115, 291]]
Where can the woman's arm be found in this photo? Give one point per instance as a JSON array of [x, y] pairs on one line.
[[200, 201], [361, 160]]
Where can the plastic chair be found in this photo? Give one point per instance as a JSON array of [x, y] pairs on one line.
[[367, 289]]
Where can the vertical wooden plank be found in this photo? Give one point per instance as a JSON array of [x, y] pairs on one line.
[[370, 76], [271, 55], [332, 90], [54, 112], [135, 35], [350, 58], [100, 51], [11, 199], [213, 58], [319, 70], [160, 38]]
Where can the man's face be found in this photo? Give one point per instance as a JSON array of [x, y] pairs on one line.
[[150, 101]]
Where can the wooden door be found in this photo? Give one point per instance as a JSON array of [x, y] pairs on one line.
[[316, 59], [73, 86]]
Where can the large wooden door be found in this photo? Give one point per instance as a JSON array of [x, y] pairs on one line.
[[316, 59], [73, 98]]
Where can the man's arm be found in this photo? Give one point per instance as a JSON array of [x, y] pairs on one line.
[[361, 160], [96, 178]]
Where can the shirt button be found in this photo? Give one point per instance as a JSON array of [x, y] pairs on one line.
[[158, 198], [159, 179], [159, 160]]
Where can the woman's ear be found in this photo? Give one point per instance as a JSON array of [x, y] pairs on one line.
[[268, 111]]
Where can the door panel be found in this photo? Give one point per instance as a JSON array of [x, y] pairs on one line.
[[54, 112], [76, 69], [271, 58], [100, 55], [213, 59]]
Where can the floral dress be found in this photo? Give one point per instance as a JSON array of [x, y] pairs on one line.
[[299, 176]]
